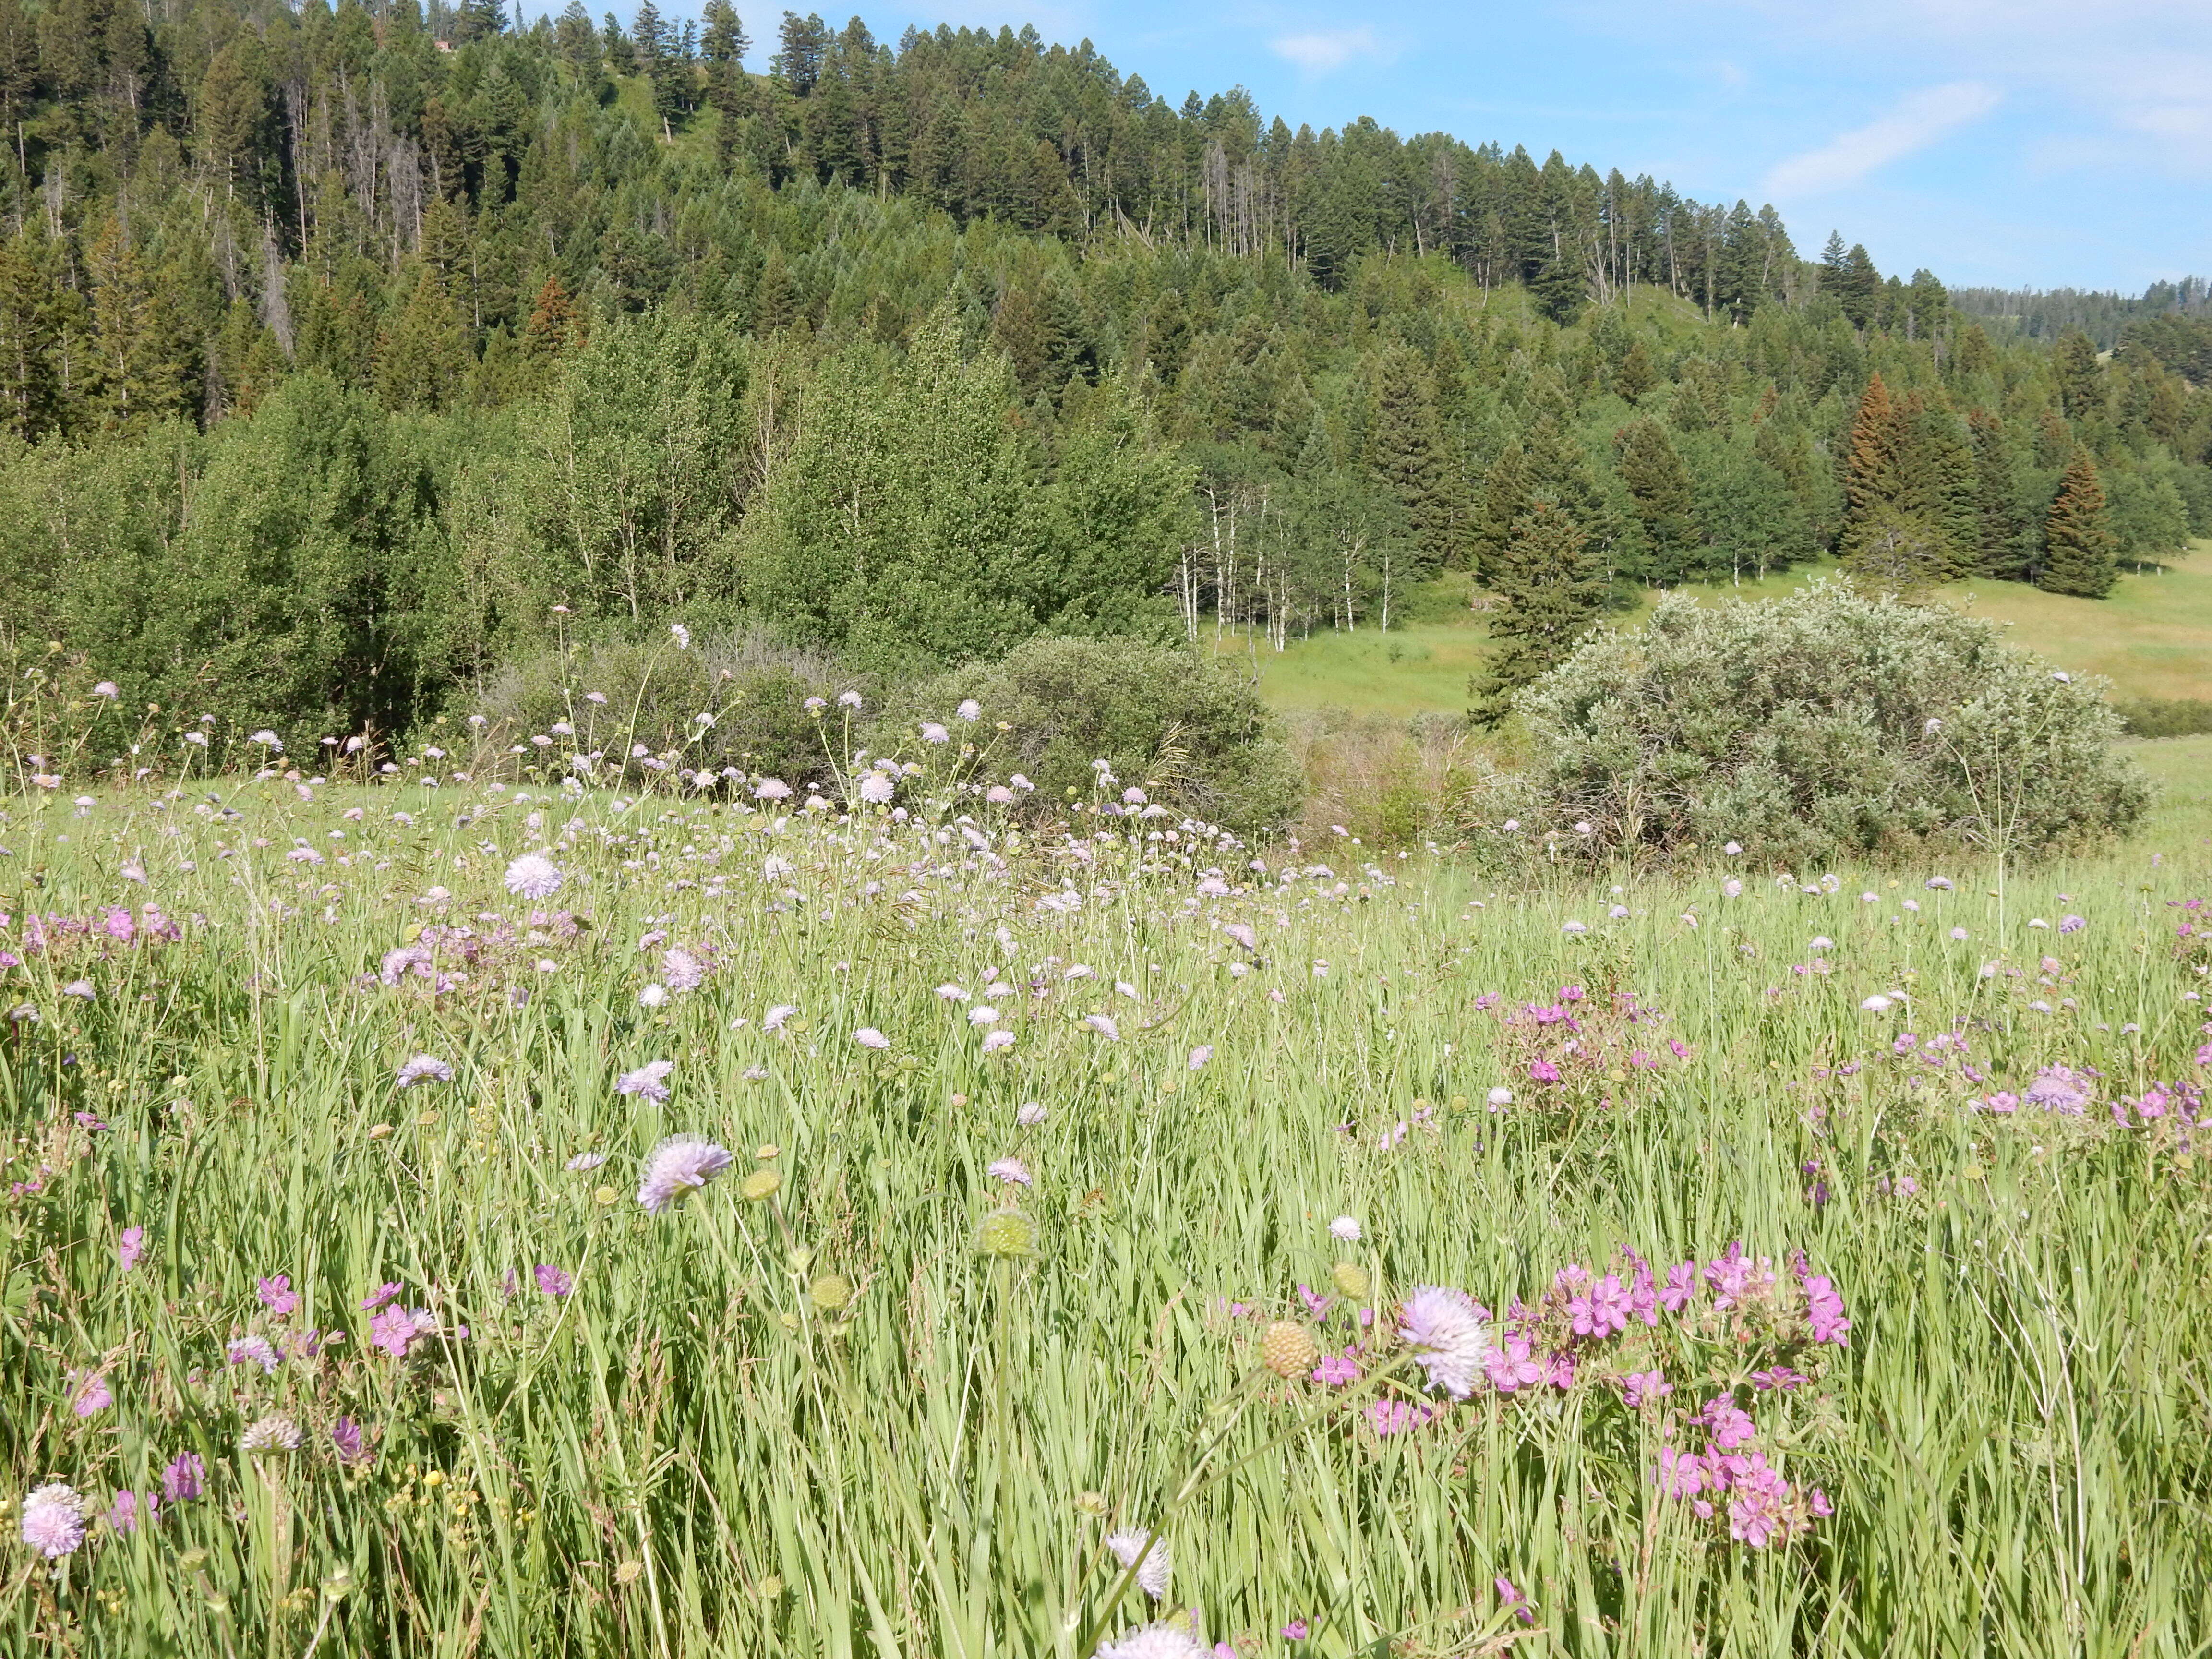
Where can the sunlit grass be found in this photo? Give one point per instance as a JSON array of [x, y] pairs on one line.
[[693, 1453]]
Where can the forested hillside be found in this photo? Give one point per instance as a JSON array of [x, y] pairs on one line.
[[346, 357]]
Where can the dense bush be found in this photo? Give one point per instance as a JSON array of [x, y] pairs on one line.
[[621, 696], [1192, 735], [2164, 717], [1818, 725]]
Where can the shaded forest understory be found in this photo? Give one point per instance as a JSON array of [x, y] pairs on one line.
[[352, 355]]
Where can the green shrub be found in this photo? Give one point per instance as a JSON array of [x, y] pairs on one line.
[[1818, 725], [2164, 717], [1195, 736], [651, 694]]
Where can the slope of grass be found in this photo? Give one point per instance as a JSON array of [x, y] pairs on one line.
[[2152, 638]]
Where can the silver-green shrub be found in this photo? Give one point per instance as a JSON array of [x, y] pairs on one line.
[[1818, 725]]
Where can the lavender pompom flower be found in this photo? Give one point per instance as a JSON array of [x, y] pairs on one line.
[[274, 1433], [682, 969], [1154, 1642], [53, 1520], [424, 1068], [1446, 1336], [533, 875], [1012, 1170], [678, 1165], [649, 1080], [1158, 1564]]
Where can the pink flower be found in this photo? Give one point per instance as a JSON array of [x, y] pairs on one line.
[[277, 1295], [1641, 1389], [92, 1396], [1012, 1170], [129, 1246], [1514, 1602], [1447, 1337], [552, 1281], [398, 1330], [1295, 1631], [382, 1294], [122, 1514], [1335, 1371], [184, 1479]]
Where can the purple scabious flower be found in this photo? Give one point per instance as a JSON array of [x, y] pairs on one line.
[[2072, 924], [1447, 1337], [185, 1478], [53, 1520], [533, 875], [424, 1068], [250, 1350], [649, 1079], [1156, 1641], [678, 1165], [682, 969], [2059, 1089], [1012, 1170], [552, 1281]]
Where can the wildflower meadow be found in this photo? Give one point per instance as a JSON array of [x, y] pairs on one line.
[[550, 1211]]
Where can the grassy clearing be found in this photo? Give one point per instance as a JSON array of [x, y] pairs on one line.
[[829, 1422], [2152, 638]]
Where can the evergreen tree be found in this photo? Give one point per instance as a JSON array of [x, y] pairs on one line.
[[1659, 498], [422, 357], [2006, 545], [2080, 376], [2079, 553], [1635, 376], [1406, 452], [1870, 479], [30, 325], [1554, 585], [1936, 485]]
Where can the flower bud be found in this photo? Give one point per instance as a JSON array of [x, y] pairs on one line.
[[1288, 1349], [760, 1184], [831, 1293], [1006, 1233], [1350, 1278]]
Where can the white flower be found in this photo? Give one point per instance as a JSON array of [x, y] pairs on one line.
[[653, 995], [876, 789], [932, 733], [1574, 928], [1345, 1228], [533, 875], [1153, 1575], [982, 1014], [994, 1041], [1154, 1642], [849, 698], [1200, 1054], [970, 710], [1500, 1096], [951, 993], [771, 789], [869, 1037], [681, 634], [1104, 1025], [1879, 1003], [773, 1021]]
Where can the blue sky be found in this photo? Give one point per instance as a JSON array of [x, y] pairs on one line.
[[2008, 142]]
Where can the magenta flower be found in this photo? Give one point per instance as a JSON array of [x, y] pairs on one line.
[[277, 1295], [1731, 1426], [1335, 1371], [130, 1245], [92, 1395], [1681, 1474], [398, 1330], [1780, 1376], [1641, 1389], [1824, 1309], [1513, 1366], [382, 1294], [346, 1439], [185, 1479], [1389, 1417], [1317, 1303], [552, 1281], [1681, 1285], [122, 1514], [1514, 1602], [1295, 1630]]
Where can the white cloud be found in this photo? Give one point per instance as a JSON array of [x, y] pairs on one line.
[[1918, 121], [1324, 50]]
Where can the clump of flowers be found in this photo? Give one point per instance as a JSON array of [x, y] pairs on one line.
[[1580, 1048]]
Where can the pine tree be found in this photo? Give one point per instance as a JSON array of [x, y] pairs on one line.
[[1659, 496], [2080, 376], [422, 357], [2005, 546], [2080, 554], [1406, 452], [1935, 483], [1554, 585], [1636, 375], [30, 391], [1870, 478], [142, 362]]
